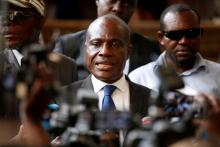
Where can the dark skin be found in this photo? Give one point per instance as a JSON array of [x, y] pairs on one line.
[[27, 31], [121, 8], [180, 54], [108, 48], [16, 35], [209, 124]]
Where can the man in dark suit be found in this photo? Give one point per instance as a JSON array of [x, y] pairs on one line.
[[107, 49], [145, 49], [21, 26]]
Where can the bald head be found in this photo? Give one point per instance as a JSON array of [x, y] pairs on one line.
[[109, 22], [174, 9], [107, 47]]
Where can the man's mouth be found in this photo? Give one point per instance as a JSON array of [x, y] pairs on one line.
[[182, 52], [104, 65], [9, 35]]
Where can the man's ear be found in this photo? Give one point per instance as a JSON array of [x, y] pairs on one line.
[[39, 23], [96, 2], [130, 50], [160, 37]]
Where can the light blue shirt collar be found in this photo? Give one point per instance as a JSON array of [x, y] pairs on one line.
[[199, 64]]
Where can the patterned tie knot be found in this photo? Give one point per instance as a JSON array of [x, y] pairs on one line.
[[108, 90]]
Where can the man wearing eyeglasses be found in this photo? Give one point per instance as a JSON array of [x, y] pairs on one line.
[[180, 35], [21, 26]]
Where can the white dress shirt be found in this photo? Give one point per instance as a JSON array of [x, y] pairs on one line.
[[18, 56], [121, 95], [126, 69]]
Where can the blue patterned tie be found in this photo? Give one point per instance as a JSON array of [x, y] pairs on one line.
[[107, 103]]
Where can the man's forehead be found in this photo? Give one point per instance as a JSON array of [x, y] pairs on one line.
[[186, 18], [106, 35], [108, 25], [98, 27], [130, 1], [103, 32]]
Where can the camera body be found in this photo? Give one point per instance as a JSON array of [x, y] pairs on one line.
[[82, 122]]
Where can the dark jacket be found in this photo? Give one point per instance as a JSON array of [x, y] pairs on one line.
[[64, 71], [139, 95]]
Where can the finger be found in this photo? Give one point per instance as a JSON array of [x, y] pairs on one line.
[[215, 103], [200, 100], [56, 142], [207, 101]]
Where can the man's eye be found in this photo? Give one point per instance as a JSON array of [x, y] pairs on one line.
[[116, 44], [95, 44], [129, 4]]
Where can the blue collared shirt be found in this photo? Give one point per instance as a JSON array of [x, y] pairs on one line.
[[203, 77]]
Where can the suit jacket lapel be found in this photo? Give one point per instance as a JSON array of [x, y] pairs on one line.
[[138, 99], [133, 95], [11, 63], [2, 63], [87, 83]]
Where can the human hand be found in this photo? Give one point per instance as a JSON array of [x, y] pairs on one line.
[[36, 99], [38, 96], [211, 122]]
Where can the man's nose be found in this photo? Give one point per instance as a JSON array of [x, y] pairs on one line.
[[105, 50], [184, 40], [117, 7]]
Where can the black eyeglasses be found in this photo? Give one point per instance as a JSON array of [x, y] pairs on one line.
[[189, 33], [17, 17]]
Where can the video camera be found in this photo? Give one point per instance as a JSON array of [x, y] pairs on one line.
[[79, 121], [171, 114], [17, 84]]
